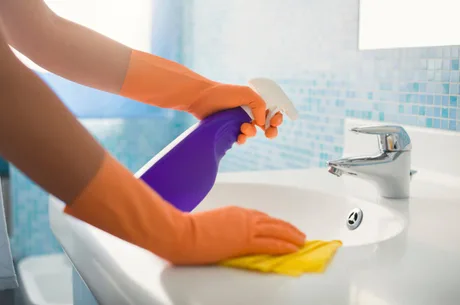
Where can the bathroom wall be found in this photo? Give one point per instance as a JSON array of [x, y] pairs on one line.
[[310, 48], [133, 132]]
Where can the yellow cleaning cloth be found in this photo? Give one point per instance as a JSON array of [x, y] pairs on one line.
[[314, 257]]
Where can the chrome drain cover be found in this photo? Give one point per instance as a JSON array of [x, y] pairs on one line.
[[354, 218]]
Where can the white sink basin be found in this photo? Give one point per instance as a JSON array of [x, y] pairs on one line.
[[319, 215], [116, 270]]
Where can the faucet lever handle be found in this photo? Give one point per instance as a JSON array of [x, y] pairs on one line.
[[391, 137]]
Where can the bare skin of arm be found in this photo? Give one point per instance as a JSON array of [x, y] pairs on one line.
[[39, 135], [63, 47]]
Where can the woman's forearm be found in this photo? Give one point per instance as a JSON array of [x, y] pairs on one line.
[[63, 47], [39, 135]]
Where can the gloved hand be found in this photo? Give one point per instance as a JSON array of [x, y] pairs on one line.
[[232, 232], [118, 203], [167, 84]]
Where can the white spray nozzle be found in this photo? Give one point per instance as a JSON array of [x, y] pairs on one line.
[[274, 97]]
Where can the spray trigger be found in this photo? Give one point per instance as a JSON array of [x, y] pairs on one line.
[[275, 99]]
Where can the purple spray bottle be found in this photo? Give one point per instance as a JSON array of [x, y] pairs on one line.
[[184, 172]]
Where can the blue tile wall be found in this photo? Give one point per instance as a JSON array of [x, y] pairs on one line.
[[310, 48]]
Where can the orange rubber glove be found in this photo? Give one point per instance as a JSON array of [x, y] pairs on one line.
[[167, 84], [118, 203]]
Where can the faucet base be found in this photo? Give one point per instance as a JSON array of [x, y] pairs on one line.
[[396, 188]]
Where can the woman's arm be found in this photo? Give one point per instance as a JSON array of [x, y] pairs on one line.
[[64, 47], [39, 135]]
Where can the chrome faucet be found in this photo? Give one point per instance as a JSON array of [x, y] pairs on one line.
[[389, 169]]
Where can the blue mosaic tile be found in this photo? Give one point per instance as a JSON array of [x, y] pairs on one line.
[[445, 100], [446, 52], [429, 122], [445, 64], [444, 124], [423, 99], [445, 112], [422, 111], [445, 76], [436, 123], [445, 88], [438, 64], [437, 112]]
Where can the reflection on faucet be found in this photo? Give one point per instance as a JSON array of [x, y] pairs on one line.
[[389, 169]]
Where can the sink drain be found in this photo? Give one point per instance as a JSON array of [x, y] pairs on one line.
[[354, 218]]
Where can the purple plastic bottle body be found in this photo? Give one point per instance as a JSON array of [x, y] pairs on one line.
[[187, 172]]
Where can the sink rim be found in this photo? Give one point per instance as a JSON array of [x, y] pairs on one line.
[[352, 202]]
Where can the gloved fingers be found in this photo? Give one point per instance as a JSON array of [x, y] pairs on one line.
[[248, 129], [272, 246], [241, 139], [274, 228], [276, 120], [257, 105], [271, 132]]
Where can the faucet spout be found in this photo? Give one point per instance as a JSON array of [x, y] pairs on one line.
[[354, 165], [334, 170]]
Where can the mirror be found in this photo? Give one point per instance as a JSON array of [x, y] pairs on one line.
[[385, 24]]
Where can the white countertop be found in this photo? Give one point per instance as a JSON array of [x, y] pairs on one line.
[[419, 266]]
